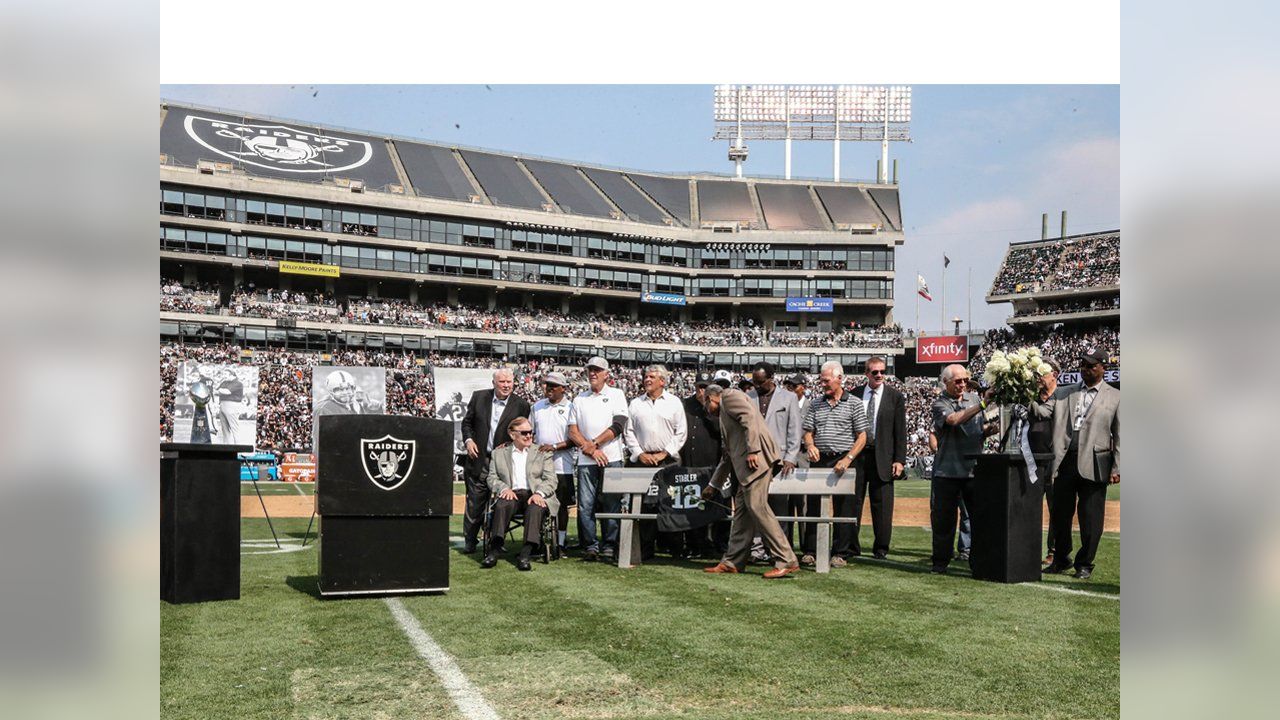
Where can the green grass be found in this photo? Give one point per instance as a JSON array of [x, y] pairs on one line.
[[664, 640]]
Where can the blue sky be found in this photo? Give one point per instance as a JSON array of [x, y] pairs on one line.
[[986, 160]]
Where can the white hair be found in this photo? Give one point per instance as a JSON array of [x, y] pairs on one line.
[[503, 371], [834, 366], [714, 390], [949, 372], [661, 370]]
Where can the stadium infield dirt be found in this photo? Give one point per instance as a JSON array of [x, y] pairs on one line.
[[907, 512]]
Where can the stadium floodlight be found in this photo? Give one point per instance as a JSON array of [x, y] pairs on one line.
[[812, 112]]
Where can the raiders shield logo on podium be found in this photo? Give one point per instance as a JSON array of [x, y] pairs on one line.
[[388, 460]]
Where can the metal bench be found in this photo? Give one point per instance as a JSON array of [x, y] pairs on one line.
[[634, 483]]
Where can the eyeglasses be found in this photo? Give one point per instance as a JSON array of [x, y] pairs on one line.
[[524, 433], [961, 381], [875, 372]]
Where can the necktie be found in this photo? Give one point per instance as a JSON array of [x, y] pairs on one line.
[[871, 419]]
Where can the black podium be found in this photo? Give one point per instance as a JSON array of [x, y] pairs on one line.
[[1007, 518], [384, 493], [199, 522]]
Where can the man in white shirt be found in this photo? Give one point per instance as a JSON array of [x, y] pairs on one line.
[[520, 474], [599, 420], [657, 427], [551, 417]]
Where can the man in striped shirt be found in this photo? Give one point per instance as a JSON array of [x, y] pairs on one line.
[[835, 431]]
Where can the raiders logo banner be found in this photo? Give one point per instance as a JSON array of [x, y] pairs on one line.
[[279, 147], [387, 460]]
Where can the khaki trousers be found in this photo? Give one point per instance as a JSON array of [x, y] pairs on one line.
[[752, 516]]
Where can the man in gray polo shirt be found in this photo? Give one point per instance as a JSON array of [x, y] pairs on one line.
[[957, 422]]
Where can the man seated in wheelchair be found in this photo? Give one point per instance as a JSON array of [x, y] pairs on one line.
[[520, 476]]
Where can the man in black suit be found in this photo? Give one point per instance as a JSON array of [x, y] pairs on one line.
[[482, 430], [884, 458]]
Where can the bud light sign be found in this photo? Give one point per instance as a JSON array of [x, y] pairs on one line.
[[810, 304], [942, 349], [662, 298]]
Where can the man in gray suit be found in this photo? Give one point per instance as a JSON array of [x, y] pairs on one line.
[[1086, 460], [520, 474], [750, 459], [781, 414]]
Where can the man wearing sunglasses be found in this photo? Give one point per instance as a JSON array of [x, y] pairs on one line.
[[520, 475], [882, 460], [957, 422]]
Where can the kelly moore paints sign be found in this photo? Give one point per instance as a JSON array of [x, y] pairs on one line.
[[810, 304], [942, 349], [662, 298]]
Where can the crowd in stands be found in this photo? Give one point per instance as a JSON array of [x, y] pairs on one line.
[[1071, 306], [1069, 265], [1060, 343], [402, 313], [199, 299]]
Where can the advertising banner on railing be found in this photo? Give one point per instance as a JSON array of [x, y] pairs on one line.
[[662, 298], [810, 304], [1071, 377], [942, 349]]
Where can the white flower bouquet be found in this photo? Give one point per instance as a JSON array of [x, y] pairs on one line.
[[1015, 375]]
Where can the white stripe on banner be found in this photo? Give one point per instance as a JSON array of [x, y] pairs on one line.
[[466, 696]]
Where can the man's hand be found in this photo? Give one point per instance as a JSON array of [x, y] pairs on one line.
[[896, 470], [589, 448], [536, 499], [989, 392], [753, 461], [788, 467], [547, 448], [473, 451], [813, 453], [600, 458], [710, 491], [1115, 478], [650, 458], [842, 464], [507, 494]]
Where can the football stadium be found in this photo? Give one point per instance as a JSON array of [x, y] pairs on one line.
[[309, 273]]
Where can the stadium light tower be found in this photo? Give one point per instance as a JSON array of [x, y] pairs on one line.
[[812, 112]]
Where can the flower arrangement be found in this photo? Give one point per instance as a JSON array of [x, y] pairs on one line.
[[1015, 375]]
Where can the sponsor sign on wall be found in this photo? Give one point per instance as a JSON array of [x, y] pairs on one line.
[[1072, 377], [810, 304], [662, 298], [304, 268], [942, 349]]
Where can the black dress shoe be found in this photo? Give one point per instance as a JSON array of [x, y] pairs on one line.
[[1083, 573], [522, 564], [489, 561], [938, 569], [469, 547], [880, 554], [1055, 569]]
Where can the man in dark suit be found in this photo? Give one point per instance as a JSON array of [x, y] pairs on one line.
[[1086, 460], [884, 458], [482, 430]]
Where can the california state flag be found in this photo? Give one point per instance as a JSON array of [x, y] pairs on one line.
[[923, 288]]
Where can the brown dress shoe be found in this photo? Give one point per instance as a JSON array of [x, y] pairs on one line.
[[782, 571], [723, 567]]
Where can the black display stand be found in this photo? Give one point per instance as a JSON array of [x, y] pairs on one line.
[[1008, 518], [384, 533], [199, 522]]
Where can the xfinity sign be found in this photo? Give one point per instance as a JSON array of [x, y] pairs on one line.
[[942, 349]]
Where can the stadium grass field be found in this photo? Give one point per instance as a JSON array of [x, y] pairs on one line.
[[587, 640]]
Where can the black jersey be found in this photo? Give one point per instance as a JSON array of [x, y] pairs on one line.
[[680, 503]]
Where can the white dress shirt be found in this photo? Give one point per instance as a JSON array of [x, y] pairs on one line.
[[656, 426], [495, 414], [519, 469]]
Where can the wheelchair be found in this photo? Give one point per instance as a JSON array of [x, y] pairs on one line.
[[547, 538]]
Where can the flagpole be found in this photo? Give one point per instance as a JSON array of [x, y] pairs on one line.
[[969, 294], [942, 306], [918, 276]]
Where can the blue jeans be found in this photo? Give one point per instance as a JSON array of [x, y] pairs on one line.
[[590, 480], [964, 539]]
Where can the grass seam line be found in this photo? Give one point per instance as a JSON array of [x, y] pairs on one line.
[[465, 695]]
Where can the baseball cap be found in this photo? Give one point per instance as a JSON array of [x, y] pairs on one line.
[[704, 379], [598, 362], [1093, 356], [722, 378], [796, 379], [555, 378]]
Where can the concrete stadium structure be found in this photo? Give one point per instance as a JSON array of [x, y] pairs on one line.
[[397, 218]]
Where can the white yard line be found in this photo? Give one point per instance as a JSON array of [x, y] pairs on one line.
[[1071, 591], [466, 696]]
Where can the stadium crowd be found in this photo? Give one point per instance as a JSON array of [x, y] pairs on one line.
[[1086, 262], [199, 299], [283, 304], [1057, 342], [1071, 306]]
